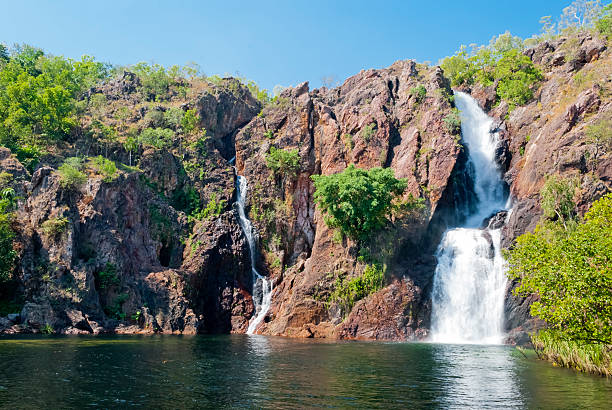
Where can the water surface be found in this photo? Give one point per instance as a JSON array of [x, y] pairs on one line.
[[259, 371]]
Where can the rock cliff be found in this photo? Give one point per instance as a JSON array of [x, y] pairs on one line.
[[125, 254]]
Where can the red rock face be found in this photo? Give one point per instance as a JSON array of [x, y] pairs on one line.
[[371, 120]]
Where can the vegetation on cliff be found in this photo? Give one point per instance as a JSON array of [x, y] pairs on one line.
[[357, 201]]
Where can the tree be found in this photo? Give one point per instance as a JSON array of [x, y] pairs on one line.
[[604, 23], [357, 201], [283, 161], [557, 198], [579, 15], [571, 272]]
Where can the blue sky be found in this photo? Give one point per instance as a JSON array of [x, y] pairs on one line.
[[271, 42]]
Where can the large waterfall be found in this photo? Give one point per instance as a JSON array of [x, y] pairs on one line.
[[262, 287], [469, 282]]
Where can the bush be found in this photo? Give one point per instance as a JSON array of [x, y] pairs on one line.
[[282, 161], [71, 176], [347, 293], [53, 227], [160, 138], [213, 208], [368, 131], [419, 93], [7, 252], [557, 198], [190, 121], [516, 74], [106, 167], [357, 201], [155, 80], [571, 272], [452, 122], [604, 24], [107, 277]]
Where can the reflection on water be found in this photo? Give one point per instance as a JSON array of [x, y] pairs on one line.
[[258, 371]]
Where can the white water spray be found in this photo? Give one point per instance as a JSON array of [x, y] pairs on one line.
[[262, 287], [469, 282]]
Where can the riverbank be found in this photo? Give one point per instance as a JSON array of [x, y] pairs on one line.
[[589, 358]]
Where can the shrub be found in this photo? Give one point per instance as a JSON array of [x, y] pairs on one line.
[[283, 161], [452, 122], [106, 167], [557, 198], [571, 272], [600, 134], [107, 277], [173, 117], [419, 93], [7, 252], [604, 24], [190, 121], [71, 176], [213, 208], [53, 227], [160, 138], [357, 201], [368, 131], [155, 80], [347, 293], [516, 74]]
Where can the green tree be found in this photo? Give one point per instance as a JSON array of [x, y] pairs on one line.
[[357, 201], [283, 161], [557, 198], [7, 251], [571, 272], [604, 24]]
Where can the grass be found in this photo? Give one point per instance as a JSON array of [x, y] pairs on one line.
[[563, 352]]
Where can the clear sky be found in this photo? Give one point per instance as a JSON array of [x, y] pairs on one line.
[[271, 42]]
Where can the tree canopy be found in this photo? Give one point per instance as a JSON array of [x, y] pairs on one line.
[[357, 201], [571, 272]]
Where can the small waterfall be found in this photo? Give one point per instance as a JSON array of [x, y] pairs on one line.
[[262, 287], [469, 282]]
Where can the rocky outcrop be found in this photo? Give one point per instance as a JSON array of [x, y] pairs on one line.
[[373, 119]]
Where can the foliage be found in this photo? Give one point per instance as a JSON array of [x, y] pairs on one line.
[[600, 134], [604, 23], [38, 94], [47, 329], [368, 131], [357, 201], [419, 93], [71, 176], [452, 122], [53, 227], [160, 138], [8, 255], [107, 277], [564, 352], [106, 167], [571, 272], [557, 198], [501, 60], [283, 161], [190, 121], [213, 207], [115, 310], [348, 292], [517, 75], [155, 80]]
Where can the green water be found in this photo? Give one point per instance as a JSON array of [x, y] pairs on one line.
[[257, 371]]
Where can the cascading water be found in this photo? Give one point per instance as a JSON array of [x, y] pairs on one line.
[[469, 282], [262, 287]]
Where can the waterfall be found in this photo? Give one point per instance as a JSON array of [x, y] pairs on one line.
[[262, 287], [469, 281]]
